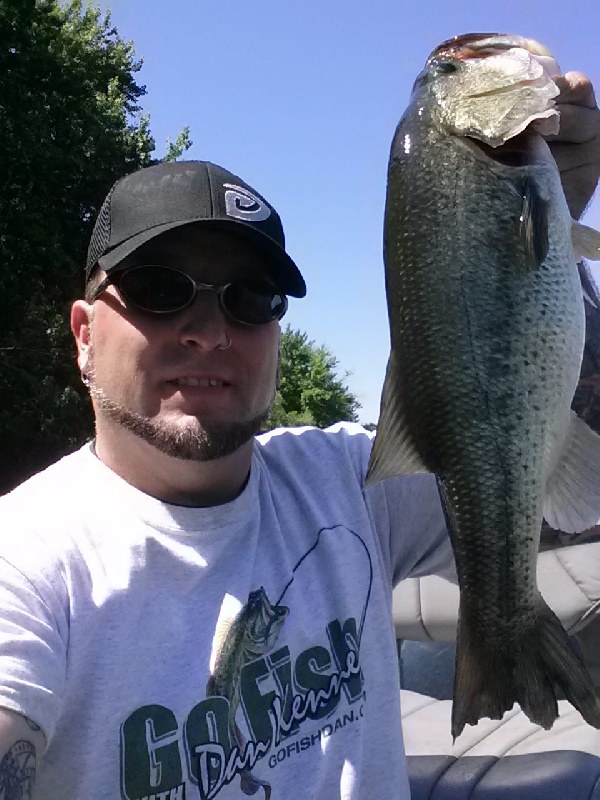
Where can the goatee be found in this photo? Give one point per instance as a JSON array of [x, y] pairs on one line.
[[196, 441]]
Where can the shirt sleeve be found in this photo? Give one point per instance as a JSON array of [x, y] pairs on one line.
[[408, 516], [33, 647]]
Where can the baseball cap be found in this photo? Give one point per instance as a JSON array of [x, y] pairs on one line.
[[157, 199]]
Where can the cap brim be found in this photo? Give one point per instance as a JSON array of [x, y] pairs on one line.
[[281, 268]]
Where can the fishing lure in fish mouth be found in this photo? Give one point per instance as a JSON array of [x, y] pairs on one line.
[[487, 332]]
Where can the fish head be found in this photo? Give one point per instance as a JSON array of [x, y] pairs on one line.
[[490, 87], [263, 622]]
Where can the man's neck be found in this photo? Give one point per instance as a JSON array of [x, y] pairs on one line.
[[173, 480]]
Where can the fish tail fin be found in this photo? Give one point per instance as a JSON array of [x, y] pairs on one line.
[[483, 685], [250, 785], [525, 675], [562, 665]]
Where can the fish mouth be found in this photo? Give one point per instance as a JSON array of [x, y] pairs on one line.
[[516, 152], [493, 87], [480, 45]]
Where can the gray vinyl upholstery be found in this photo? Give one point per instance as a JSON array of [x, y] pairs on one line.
[[561, 775], [510, 758]]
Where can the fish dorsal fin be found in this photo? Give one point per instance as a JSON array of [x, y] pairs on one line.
[[572, 501], [534, 223], [230, 608], [393, 452], [586, 241]]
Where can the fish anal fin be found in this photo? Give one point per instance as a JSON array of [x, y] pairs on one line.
[[572, 498], [534, 223], [586, 241], [394, 453]]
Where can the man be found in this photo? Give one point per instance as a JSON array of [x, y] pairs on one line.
[[185, 610]]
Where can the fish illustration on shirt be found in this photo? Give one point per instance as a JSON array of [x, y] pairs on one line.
[[243, 634]]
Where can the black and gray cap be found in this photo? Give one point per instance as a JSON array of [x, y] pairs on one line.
[[156, 199]]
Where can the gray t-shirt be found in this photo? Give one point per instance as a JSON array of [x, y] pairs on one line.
[[170, 652]]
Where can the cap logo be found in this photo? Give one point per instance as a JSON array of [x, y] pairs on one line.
[[242, 204]]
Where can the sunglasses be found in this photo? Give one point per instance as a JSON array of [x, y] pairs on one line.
[[163, 290]]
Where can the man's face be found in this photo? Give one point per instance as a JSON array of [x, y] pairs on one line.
[[167, 378]]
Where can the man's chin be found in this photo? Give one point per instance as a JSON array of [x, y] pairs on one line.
[[188, 439], [202, 442]]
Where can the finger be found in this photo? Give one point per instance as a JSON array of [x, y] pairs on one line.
[[578, 124], [579, 184], [575, 88], [571, 155]]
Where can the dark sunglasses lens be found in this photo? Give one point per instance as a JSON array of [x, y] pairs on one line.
[[253, 303], [157, 289]]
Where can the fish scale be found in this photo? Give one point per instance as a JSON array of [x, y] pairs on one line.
[[487, 331]]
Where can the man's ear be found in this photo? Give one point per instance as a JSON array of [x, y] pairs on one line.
[[278, 373], [81, 327]]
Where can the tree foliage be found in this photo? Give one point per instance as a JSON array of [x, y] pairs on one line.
[[310, 391], [177, 148], [70, 125]]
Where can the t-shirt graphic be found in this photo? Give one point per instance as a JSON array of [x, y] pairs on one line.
[[251, 633], [285, 678]]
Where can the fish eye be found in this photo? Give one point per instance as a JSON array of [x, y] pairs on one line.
[[446, 67]]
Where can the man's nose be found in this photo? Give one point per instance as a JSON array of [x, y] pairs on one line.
[[203, 324]]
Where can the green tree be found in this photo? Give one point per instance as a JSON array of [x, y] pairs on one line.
[[177, 148], [70, 125], [310, 391]]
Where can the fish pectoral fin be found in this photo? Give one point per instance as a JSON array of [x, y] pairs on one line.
[[586, 241], [393, 452], [534, 223], [572, 501]]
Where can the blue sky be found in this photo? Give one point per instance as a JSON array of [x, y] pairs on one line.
[[301, 100]]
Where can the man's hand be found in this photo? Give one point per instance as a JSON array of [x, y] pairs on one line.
[[576, 148]]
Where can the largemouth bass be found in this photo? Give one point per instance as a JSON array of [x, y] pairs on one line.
[[243, 634], [487, 331]]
